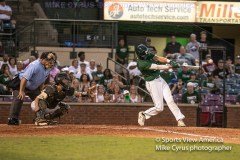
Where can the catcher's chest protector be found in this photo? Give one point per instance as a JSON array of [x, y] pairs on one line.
[[54, 97]]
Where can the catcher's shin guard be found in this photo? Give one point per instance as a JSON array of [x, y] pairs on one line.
[[63, 109], [40, 118]]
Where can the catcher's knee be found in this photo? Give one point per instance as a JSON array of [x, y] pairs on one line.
[[42, 104], [33, 106], [62, 110]]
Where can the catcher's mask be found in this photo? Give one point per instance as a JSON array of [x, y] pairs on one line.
[[64, 80], [143, 52]]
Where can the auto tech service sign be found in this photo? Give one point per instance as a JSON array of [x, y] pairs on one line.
[[162, 11]]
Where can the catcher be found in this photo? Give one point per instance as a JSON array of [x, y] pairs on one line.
[[48, 105], [148, 64]]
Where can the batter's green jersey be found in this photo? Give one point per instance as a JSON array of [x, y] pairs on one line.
[[148, 74], [167, 76]]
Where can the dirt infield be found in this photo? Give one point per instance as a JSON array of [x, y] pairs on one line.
[[228, 135]]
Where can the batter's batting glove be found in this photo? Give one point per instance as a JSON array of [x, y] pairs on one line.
[[174, 64]]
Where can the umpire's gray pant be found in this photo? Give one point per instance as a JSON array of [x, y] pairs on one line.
[[17, 103]]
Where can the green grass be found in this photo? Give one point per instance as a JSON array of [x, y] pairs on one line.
[[98, 148]]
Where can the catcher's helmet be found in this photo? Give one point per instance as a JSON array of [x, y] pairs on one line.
[[142, 52], [59, 78]]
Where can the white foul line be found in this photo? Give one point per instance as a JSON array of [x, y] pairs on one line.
[[144, 129], [181, 133], [161, 131]]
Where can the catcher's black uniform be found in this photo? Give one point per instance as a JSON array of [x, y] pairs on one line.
[[49, 101], [53, 96]]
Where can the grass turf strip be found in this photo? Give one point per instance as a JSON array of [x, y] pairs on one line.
[[102, 148]]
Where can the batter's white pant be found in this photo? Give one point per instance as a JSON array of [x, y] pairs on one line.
[[159, 89]]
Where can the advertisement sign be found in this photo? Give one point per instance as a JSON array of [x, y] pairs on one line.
[[218, 12], [173, 11], [164, 11]]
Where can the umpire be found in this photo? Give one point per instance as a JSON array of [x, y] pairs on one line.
[[29, 82]]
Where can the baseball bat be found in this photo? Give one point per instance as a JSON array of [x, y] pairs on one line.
[[191, 67]]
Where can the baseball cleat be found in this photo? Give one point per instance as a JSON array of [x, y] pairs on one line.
[[181, 123], [46, 123], [40, 122], [141, 118], [52, 122], [13, 121]]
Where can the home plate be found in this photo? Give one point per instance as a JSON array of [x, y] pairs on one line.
[[46, 126]]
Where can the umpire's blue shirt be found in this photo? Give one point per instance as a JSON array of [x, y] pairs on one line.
[[35, 73]]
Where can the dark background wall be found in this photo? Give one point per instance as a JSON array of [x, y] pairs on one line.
[[120, 114], [114, 114]]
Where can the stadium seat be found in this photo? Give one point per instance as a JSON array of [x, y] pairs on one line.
[[217, 108], [235, 76], [205, 118], [68, 43], [207, 102], [217, 118], [205, 108], [231, 99], [238, 81], [204, 91], [230, 81], [177, 98], [228, 86], [81, 44], [213, 97], [7, 26], [219, 103], [237, 86], [233, 91]]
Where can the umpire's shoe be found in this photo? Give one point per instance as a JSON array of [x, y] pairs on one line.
[[13, 121]]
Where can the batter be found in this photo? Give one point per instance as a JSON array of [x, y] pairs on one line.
[[148, 64]]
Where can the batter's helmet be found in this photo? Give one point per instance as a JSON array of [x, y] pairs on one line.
[[143, 52]]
